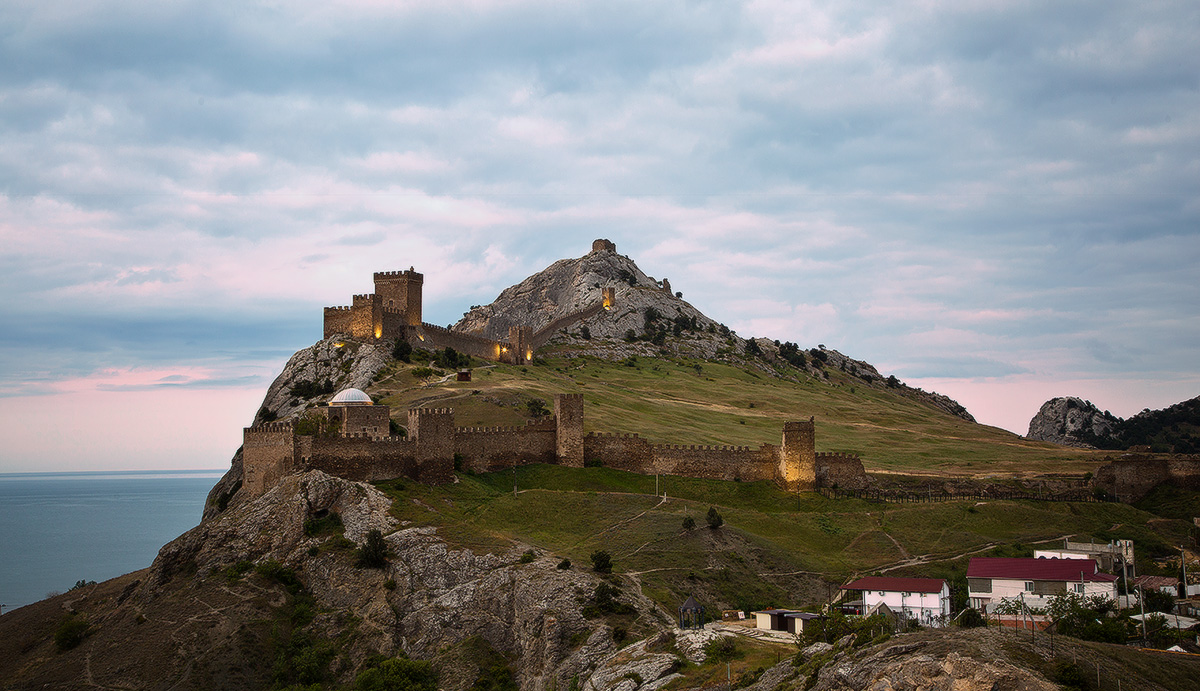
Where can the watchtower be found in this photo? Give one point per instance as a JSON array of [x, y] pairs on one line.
[[603, 246], [568, 416], [798, 456], [401, 290], [433, 431], [520, 344], [608, 295]]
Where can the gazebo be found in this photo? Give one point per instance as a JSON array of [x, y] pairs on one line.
[[691, 615]]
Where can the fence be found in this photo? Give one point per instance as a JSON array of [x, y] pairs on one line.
[[903, 496]]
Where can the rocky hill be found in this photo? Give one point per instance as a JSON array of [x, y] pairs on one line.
[[1069, 421], [1074, 422]]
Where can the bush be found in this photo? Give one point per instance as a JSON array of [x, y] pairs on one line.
[[585, 333], [722, 649], [689, 523], [329, 523], [601, 561], [373, 553], [537, 407], [970, 619], [402, 351], [564, 564], [527, 557], [714, 519], [70, 633], [397, 674], [604, 601]]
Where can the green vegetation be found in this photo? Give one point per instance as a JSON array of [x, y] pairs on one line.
[[396, 674], [601, 561], [373, 553], [325, 524], [713, 518], [71, 632], [772, 545]]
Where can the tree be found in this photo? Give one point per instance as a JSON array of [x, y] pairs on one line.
[[397, 674], [689, 523], [1158, 601], [402, 351], [373, 553], [752, 348], [585, 333], [601, 561], [714, 519]]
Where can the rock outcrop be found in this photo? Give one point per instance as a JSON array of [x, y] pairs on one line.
[[1070, 421]]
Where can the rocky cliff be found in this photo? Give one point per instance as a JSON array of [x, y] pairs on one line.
[[1070, 421]]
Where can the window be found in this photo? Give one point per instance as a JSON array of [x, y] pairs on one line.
[[1029, 586], [1078, 588]]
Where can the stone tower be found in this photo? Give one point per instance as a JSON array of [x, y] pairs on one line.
[[401, 290], [798, 456], [520, 344], [568, 415], [608, 295]]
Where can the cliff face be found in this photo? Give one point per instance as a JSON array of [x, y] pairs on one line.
[[203, 616], [1069, 421]]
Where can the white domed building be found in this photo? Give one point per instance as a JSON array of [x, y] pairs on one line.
[[357, 415]]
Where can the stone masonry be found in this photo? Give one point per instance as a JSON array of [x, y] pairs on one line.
[[434, 446]]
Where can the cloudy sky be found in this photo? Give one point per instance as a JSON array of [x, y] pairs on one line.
[[999, 201]]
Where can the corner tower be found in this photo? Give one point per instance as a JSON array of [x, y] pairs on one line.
[[568, 417], [798, 456]]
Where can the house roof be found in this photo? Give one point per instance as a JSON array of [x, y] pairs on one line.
[[802, 615], [775, 611], [897, 585], [690, 605], [1041, 569], [1156, 581]]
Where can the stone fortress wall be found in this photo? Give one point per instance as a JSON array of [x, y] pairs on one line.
[[1131, 478], [434, 446]]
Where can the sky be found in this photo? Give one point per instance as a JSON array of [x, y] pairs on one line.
[[998, 201]]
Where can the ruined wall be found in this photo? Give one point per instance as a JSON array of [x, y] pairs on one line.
[[360, 458], [436, 337], [337, 321], [843, 471], [621, 451], [1130, 479], [268, 454], [484, 449], [715, 462], [544, 334], [603, 246], [568, 416]]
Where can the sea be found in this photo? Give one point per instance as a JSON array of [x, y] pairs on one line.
[[60, 528]]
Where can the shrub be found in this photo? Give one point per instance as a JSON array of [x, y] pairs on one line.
[[373, 553], [601, 561], [389, 584], [326, 523], [402, 351], [422, 372], [70, 633], [397, 674], [723, 649], [395, 429], [585, 333], [527, 557], [564, 564], [689, 523], [81, 584], [537, 407], [714, 519], [604, 601], [971, 618]]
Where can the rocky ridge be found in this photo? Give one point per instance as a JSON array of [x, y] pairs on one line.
[[1068, 421]]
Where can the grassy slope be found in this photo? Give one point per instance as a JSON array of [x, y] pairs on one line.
[[775, 548], [668, 401]]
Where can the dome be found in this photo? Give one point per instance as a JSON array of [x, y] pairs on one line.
[[351, 397]]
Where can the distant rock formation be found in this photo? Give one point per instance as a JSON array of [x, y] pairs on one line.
[[1070, 421]]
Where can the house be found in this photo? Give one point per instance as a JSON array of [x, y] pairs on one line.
[[1163, 584], [1033, 581], [783, 620], [1112, 557], [927, 600]]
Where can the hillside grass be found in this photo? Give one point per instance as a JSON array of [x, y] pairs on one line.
[[667, 400], [775, 548]]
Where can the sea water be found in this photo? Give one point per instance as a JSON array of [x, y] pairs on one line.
[[60, 528]]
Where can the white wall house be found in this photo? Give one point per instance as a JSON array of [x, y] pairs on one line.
[[926, 600], [1034, 581]]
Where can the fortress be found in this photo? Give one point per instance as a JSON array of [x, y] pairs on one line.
[[361, 449], [351, 436], [393, 311]]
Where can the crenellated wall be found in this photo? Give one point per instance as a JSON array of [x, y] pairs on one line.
[[485, 449], [428, 455], [1130, 479]]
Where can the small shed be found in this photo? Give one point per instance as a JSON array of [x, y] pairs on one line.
[[773, 619], [464, 375], [798, 621], [691, 614]]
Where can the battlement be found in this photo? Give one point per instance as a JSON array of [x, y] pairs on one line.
[[612, 435], [282, 426], [392, 275], [345, 308], [430, 412], [361, 299], [697, 447], [530, 426]]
